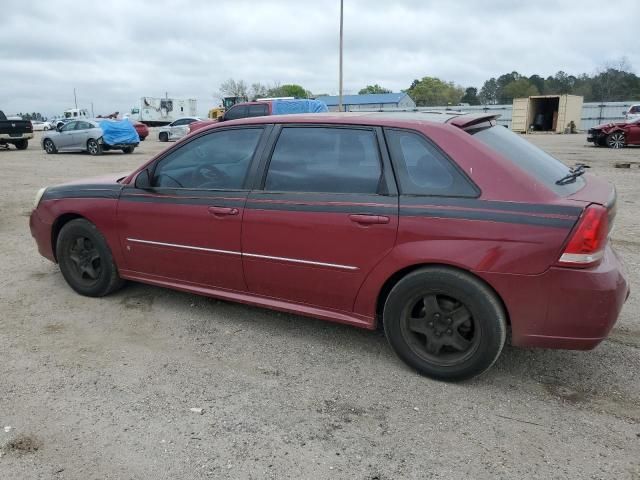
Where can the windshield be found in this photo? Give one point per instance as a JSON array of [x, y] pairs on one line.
[[536, 162]]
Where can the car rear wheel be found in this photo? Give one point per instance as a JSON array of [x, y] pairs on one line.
[[85, 260], [22, 144], [127, 150], [93, 147], [164, 137], [616, 140], [445, 323], [49, 146]]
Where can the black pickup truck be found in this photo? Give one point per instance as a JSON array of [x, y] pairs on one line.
[[17, 132]]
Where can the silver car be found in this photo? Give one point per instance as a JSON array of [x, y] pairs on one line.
[[177, 129], [79, 136]]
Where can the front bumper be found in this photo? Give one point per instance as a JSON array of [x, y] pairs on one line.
[[41, 232]]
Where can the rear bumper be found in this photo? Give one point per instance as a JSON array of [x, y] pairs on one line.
[[566, 308], [5, 137], [41, 232]]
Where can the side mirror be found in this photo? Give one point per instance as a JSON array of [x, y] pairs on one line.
[[143, 181], [59, 128]]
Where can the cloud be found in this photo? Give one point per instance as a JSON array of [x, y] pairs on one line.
[[115, 52]]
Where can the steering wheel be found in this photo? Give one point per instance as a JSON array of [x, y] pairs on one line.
[[208, 176]]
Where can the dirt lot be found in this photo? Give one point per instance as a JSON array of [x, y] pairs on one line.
[[102, 388]]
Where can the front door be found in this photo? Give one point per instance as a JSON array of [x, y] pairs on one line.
[[323, 219], [186, 228], [64, 139]]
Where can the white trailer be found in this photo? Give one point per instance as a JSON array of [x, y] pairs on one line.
[[156, 112]]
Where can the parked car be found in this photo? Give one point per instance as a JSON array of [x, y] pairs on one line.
[[632, 113], [262, 108], [142, 129], [16, 132], [615, 135], [448, 229], [176, 130], [91, 136], [40, 126]]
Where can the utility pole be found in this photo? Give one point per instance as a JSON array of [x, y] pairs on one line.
[[340, 80], [92, 115], [75, 99]]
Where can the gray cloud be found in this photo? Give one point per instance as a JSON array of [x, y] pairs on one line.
[[115, 52]]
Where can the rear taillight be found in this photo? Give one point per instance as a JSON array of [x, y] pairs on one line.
[[588, 240]]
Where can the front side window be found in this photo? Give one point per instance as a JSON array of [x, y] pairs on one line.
[[423, 169], [218, 160], [69, 126], [324, 159]]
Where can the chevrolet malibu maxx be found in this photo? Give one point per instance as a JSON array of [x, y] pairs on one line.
[[446, 230]]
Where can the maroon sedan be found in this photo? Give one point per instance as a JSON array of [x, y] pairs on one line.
[[615, 135], [142, 129], [448, 229]]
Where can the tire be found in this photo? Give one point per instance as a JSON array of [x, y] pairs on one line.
[[49, 146], [85, 260], [445, 323], [93, 147], [142, 139], [616, 140], [22, 144], [46, 128], [128, 149], [163, 137]]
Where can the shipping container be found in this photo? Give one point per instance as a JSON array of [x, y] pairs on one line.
[[547, 113], [157, 112]]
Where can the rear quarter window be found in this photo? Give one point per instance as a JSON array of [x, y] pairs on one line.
[[533, 160]]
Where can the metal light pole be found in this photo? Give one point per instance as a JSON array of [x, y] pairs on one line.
[[340, 69], [75, 99]]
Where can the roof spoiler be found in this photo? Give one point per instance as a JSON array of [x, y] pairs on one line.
[[466, 121]]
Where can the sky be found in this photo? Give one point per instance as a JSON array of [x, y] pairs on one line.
[[115, 51]]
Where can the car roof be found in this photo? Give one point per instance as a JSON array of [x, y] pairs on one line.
[[382, 118]]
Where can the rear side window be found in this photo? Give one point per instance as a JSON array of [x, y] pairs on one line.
[[423, 169], [258, 110], [324, 159], [536, 162], [236, 112]]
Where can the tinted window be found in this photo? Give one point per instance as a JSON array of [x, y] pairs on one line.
[[218, 160], [83, 126], [258, 110], [536, 162], [236, 112], [323, 159], [423, 169], [69, 126]]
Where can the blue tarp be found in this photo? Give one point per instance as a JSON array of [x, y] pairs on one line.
[[284, 107], [118, 132]]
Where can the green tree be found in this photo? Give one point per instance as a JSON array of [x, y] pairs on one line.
[[373, 89], [288, 90], [537, 81], [431, 91], [489, 92], [518, 89], [470, 96]]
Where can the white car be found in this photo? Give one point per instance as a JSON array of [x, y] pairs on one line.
[[39, 126], [177, 129], [633, 113]]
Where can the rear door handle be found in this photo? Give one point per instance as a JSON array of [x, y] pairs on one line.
[[223, 211], [368, 219]]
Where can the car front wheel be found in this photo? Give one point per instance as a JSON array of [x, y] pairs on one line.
[[49, 146], [445, 323], [85, 260], [616, 140]]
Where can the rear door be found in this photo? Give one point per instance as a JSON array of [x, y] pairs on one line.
[[186, 227], [324, 213], [81, 134]]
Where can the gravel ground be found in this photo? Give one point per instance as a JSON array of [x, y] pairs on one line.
[[103, 388]]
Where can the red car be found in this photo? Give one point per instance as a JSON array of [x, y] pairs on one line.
[[448, 229], [615, 135], [142, 129]]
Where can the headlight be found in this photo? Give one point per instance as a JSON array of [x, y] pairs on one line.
[[39, 197]]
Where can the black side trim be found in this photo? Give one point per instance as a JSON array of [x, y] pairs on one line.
[[185, 196], [82, 191], [364, 209], [407, 200], [488, 216]]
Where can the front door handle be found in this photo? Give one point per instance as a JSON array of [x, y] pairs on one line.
[[223, 211], [369, 219]]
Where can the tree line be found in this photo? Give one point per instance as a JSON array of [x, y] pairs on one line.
[[611, 82]]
